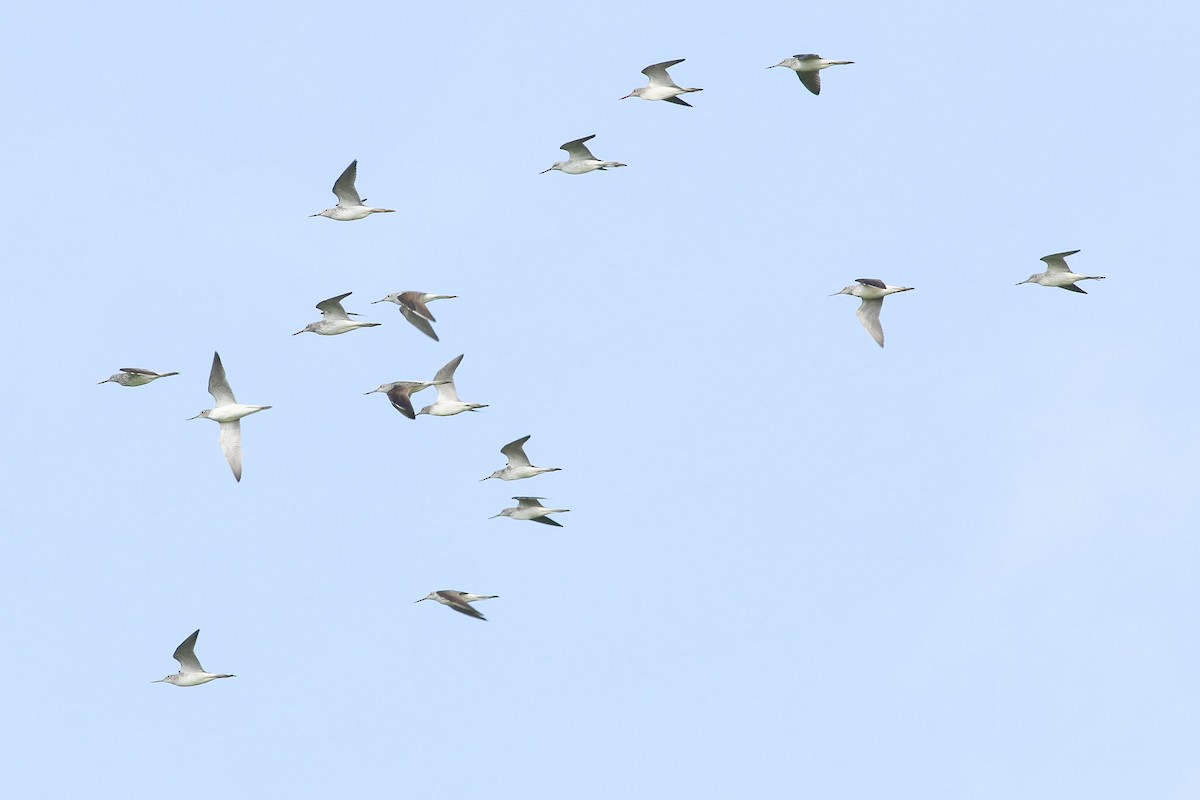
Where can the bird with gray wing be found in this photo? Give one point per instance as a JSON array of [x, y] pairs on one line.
[[459, 601], [400, 394], [661, 86], [190, 672], [580, 159], [871, 291], [335, 319], [228, 412], [531, 509], [518, 466], [349, 205], [1059, 274], [448, 404], [132, 376], [807, 67], [413, 307]]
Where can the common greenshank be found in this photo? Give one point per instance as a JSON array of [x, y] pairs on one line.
[[228, 412], [190, 672], [807, 67], [400, 394], [132, 376], [529, 508], [518, 466], [581, 159], [872, 291], [448, 404], [412, 306], [349, 205], [1059, 274], [661, 87], [459, 601], [334, 319]]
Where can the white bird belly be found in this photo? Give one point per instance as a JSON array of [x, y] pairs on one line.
[[194, 678], [579, 167], [350, 213], [660, 92], [233, 412], [1059, 279]]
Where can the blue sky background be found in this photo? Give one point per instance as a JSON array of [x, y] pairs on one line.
[[795, 564]]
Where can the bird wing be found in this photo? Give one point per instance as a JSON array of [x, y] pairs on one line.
[[578, 150], [657, 73], [231, 446], [419, 322], [446, 391], [1070, 287], [185, 654], [455, 601], [878, 284], [218, 384], [1057, 262], [528, 502], [136, 371], [678, 101], [811, 81], [332, 308], [515, 452], [413, 302], [343, 187], [868, 315], [546, 521], [398, 395]]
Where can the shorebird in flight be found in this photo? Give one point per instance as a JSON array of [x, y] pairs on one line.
[[132, 376], [334, 319], [412, 306], [190, 672], [459, 601], [580, 159], [807, 67], [529, 508], [661, 87], [872, 291], [518, 466], [349, 205], [448, 404], [400, 394], [1059, 274], [228, 412]]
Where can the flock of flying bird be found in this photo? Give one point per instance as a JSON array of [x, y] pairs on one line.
[[413, 305]]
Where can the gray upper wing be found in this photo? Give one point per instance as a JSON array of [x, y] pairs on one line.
[[343, 187]]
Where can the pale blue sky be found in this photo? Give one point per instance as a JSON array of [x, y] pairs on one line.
[[796, 565]]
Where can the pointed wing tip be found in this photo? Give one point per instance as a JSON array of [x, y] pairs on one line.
[[811, 81]]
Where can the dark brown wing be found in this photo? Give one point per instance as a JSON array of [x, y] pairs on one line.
[[401, 401]]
